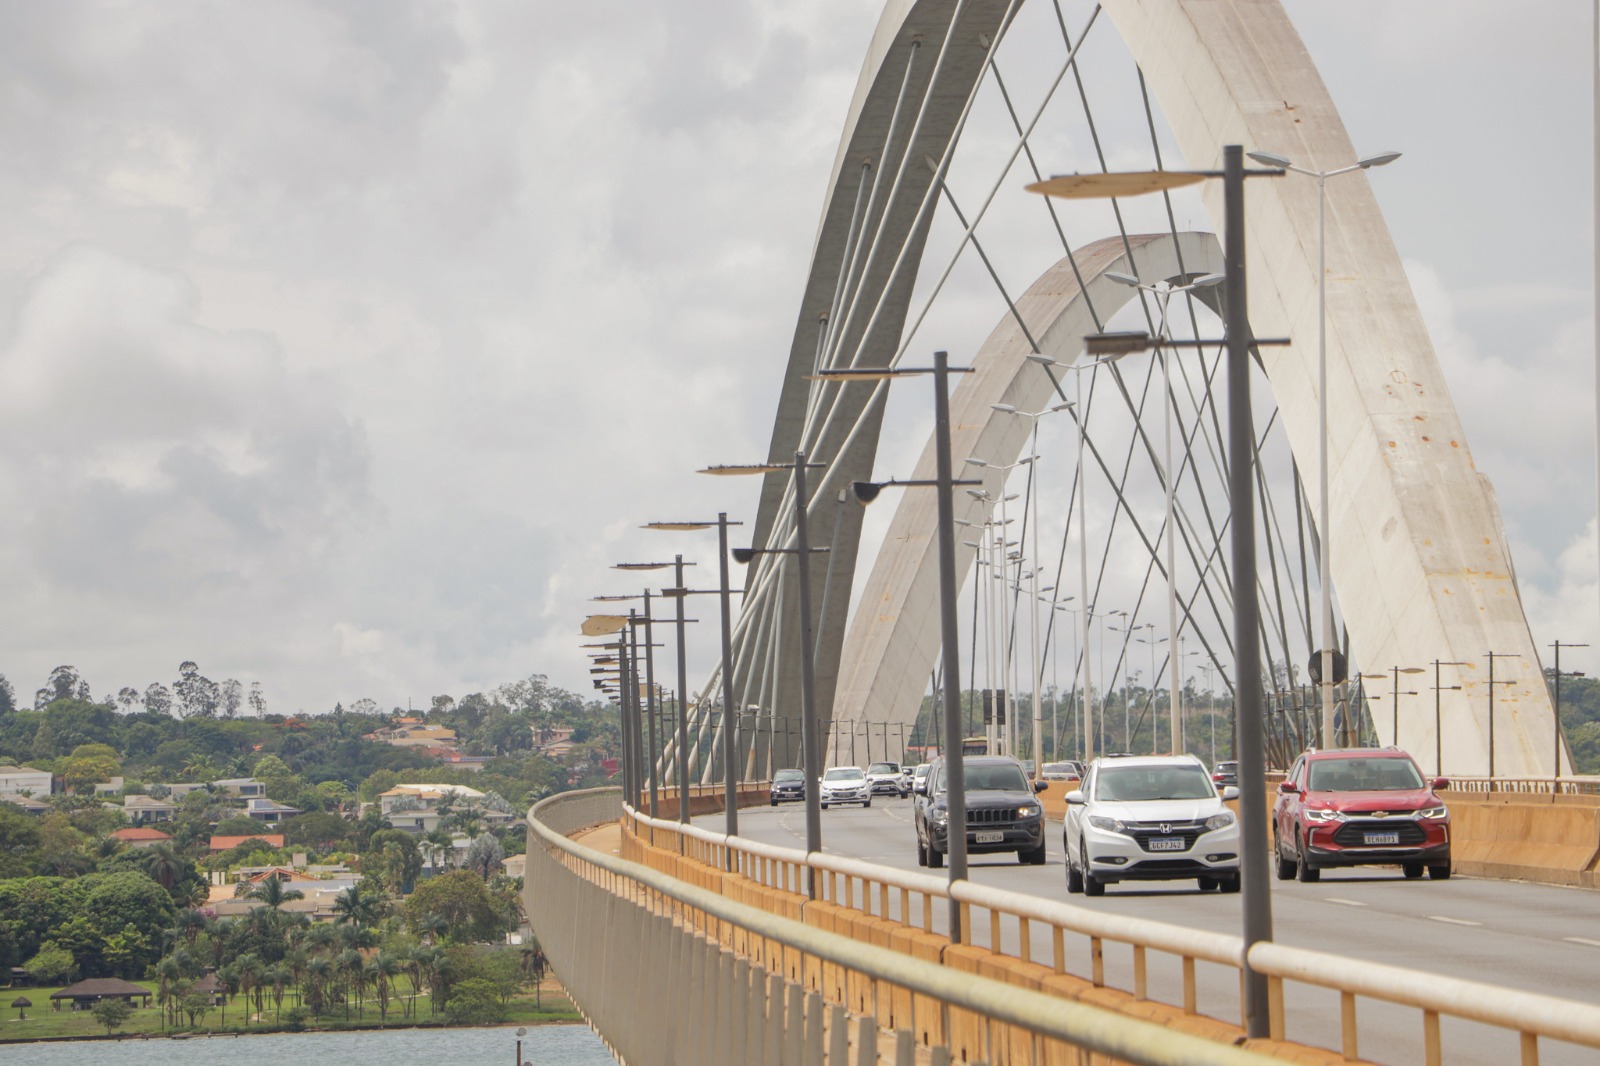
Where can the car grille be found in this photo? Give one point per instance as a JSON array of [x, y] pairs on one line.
[[1353, 834], [992, 816], [1144, 832]]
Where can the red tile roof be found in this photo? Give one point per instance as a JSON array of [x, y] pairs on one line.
[[224, 843], [141, 833]]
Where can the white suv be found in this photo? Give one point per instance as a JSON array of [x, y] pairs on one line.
[[1149, 818]]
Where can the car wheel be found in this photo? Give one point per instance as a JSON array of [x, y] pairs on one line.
[[866, 803], [1413, 870], [922, 853], [774, 801], [1304, 871], [1074, 878], [824, 806], [1229, 884], [935, 858], [1285, 866], [1092, 885], [1440, 872], [1032, 856], [1207, 883]]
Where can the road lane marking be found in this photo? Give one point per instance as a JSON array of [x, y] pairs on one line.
[[1346, 902], [1452, 921], [1582, 940]]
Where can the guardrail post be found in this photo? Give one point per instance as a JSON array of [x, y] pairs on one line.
[[772, 1012], [905, 1050], [838, 1036], [738, 982], [866, 1042], [813, 1027], [794, 1026]]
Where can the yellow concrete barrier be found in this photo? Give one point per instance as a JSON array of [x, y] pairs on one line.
[[1530, 838]]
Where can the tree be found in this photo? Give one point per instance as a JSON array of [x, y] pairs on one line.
[[89, 765], [8, 697], [19, 842], [463, 900], [485, 857], [158, 699], [273, 894], [112, 1013], [356, 906], [232, 696], [258, 700], [52, 964], [127, 696], [474, 1001]]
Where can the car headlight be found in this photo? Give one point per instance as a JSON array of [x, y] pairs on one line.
[[1109, 825], [1032, 810], [1325, 814], [940, 816], [1432, 812], [1220, 821]]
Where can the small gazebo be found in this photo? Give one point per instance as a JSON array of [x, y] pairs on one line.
[[86, 994], [22, 1003]]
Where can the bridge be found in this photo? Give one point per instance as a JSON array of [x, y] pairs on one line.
[[1382, 555]]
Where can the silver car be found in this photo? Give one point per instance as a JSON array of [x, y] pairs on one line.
[[845, 784]]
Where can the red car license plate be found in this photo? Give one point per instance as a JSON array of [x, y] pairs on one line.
[[1382, 838]]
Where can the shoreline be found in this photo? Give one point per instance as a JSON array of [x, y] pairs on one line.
[[213, 1034]]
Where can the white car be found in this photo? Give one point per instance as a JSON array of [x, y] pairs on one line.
[[845, 784], [1149, 818], [886, 778]]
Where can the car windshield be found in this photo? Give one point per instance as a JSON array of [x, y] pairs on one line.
[[788, 775], [1135, 783], [1364, 775], [1227, 767], [847, 773], [1060, 768], [995, 779], [883, 768]]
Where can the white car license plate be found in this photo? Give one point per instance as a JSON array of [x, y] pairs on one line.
[[1383, 838], [992, 836], [1167, 843]]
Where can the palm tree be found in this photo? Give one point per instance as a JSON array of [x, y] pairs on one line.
[[382, 970], [279, 975], [190, 924], [273, 894], [164, 865], [432, 927], [318, 973], [168, 974], [227, 985], [357, 907], [349, 967]]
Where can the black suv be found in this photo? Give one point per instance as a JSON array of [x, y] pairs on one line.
[[1002, 813], [788, 785]]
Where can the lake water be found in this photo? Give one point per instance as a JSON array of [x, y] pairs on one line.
[[545, 1045]]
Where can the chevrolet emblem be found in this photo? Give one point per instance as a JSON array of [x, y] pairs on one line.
[[1380, 814]]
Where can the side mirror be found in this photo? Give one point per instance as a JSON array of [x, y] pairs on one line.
[[1040, 786], [920, 788], [1230, 792], [1286, 787], [1441, 782], [1075, 796]]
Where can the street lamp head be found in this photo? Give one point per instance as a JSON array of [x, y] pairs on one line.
[[979, 494], [1121, 279], [1106, 186], [1205, 281], [1117, 343], [1382, 159], [1269, 159], [681, 525], [640, 566], [865, 491], [743, 555]]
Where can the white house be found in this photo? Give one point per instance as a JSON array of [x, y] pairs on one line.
[[17, 782]]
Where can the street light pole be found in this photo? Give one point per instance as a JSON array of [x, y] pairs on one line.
[[1555, 767], [943, 485], [1492, 656], [1324, 573], [1438, 719], [682, 761]]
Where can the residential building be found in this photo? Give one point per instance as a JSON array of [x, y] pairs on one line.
[[142, 810], [269, 811], [223, 843], [20, 782], [141, 836], [240, 786]]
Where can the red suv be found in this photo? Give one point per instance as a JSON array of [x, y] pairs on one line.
[[1360, 807]]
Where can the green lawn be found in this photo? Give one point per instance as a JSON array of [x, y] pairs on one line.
[[43, 1023]]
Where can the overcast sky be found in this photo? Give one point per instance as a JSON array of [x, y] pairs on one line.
[[343, 346]]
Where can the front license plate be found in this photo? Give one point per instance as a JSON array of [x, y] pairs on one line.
[[1167, 844], [1382, 838], [990, 837]]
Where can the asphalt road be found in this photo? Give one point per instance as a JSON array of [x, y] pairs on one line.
[[1509, 934]]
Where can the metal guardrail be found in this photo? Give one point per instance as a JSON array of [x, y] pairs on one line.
[[1535, 786], [888, 893], [650, 961]]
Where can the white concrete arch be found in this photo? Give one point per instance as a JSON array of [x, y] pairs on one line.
[[1418, 551]]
